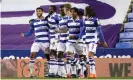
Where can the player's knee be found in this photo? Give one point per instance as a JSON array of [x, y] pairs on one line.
[[32, 55], [69, 53], [82, 57], [91, 54], [53, 53], [60, 54]]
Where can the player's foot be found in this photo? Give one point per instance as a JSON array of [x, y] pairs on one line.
[[81, 76], [92, 76], [73, 75], [30, 76], [68, 76]]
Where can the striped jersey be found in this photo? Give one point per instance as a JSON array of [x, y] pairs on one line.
[[62, 25], [91, 33], [40, 28], [74, 28], [53, 22]]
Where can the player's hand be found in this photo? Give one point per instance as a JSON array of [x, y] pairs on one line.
[[72, 37], [22, 34], [105, 45]]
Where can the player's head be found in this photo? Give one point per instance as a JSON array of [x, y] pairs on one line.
[[62, 10], [74, 11], [39, 12], [81, 13], [67, 7], [52, 9], [89, 12]]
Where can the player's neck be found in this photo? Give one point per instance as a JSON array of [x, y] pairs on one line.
[[76, 17], [68, 13], [41, 17]]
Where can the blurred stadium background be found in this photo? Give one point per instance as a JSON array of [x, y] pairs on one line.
[[116, 17]]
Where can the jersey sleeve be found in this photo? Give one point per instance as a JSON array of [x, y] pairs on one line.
[[82, 30], [30, 32], [99, 30]]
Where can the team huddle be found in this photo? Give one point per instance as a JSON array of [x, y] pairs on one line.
[[71, 32]]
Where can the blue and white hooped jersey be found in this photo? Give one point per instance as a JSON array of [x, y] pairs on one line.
[[74, 28], [40, 28], [91, 32], [53, 23], [62, 25]]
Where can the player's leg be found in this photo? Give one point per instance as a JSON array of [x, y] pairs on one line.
[[69, 55], [34, 49], [53, 58], [92, 50], [61, 64], [82, 60]]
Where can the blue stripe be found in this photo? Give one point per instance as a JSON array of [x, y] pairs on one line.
[[63, 41], [74, 32], [78, 26], [89, 25], [90, 42], [52, 28], [42, 30], [52, 60], [61, 64], [63, 35], [92, 64], [52, 37], [52, 23], [39, 36], [40, 25], [44, 41], [90, 31], [90, 37], [51, 63]]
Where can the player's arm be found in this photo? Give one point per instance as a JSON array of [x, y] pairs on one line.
[[29, 33], [99, 30]]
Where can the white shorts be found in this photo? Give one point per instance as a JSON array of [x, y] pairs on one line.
[[36, 46], [83, 48], [91, 47], [61, 47], [73, 48], [53, 44]]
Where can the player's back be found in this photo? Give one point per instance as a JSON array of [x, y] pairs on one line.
[[91, 34], [41, 30]]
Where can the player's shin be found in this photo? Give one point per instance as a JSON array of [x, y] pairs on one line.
[[68, 65], [52, 64], [31, 64], [74, 67], [82, 62], [61, 64], [92, 65]]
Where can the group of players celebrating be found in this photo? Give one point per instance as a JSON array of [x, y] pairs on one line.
[[71, 32]]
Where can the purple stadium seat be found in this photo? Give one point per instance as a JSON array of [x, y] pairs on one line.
[[126, 36], [124, 45], [130, 17], [128, 27]]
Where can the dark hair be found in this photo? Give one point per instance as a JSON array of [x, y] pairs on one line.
[[54, 7], [39, 8], [62, 6], [90, 12], [81, 12], [75, 10]]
